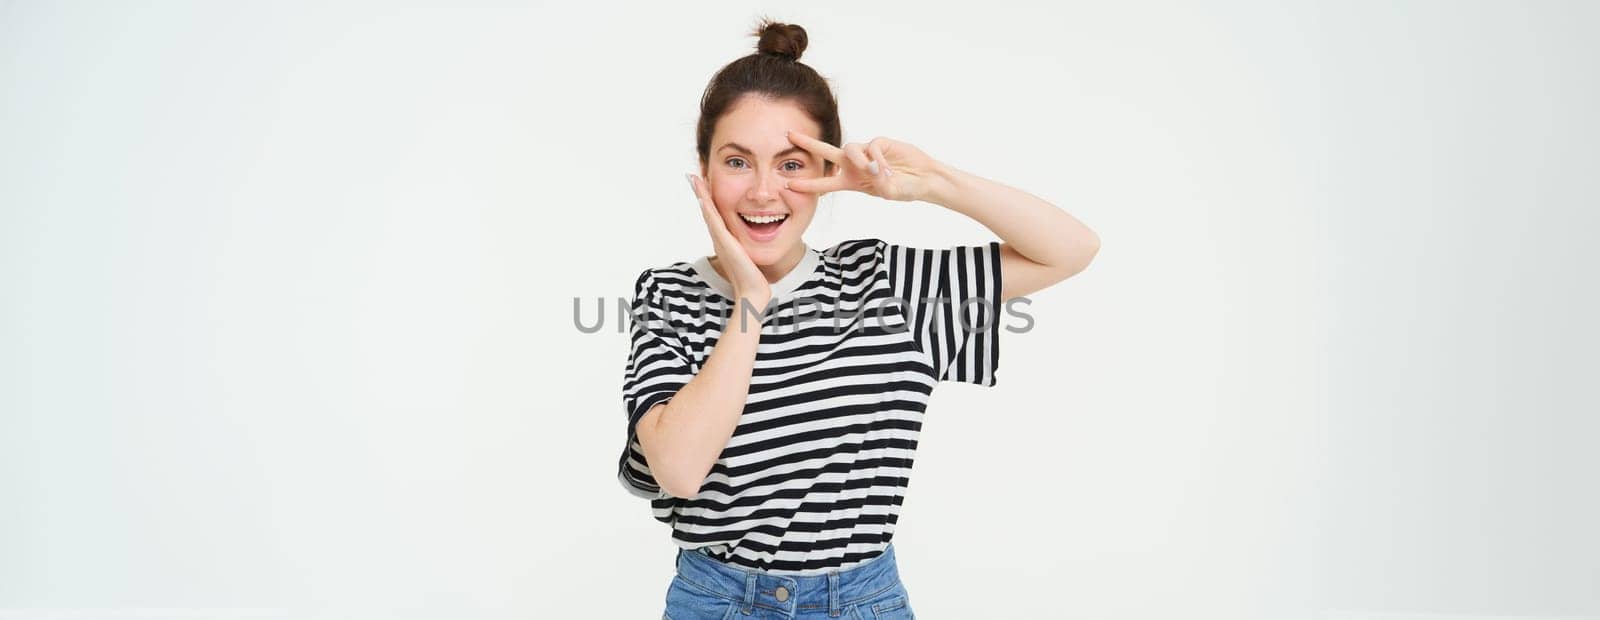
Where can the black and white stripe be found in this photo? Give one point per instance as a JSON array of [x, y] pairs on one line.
[[813, 477]]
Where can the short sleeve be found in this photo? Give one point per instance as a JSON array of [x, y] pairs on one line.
[[657, 367], [953, 298]]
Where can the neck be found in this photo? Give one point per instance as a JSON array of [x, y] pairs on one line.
[[773, 272], [778, 270]]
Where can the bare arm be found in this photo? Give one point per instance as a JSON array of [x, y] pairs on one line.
[[1042, 244], [683, 437]]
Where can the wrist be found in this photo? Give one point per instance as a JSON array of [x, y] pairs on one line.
[[943, 184], [756, 299], [749, 312]]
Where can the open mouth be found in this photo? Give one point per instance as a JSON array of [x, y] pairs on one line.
[[763, 227]]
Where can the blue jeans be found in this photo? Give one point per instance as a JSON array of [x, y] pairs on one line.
[[706, 588]]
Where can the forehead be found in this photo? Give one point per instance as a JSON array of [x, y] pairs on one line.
[[758, 123]]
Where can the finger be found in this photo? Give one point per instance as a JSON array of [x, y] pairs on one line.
[[714, 222], [878, 158], [700, 193], [858, 157], [815, 146], [694, 186], [817, 185]]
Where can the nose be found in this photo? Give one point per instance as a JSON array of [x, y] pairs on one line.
[[765, 188]]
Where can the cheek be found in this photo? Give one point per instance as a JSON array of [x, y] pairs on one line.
[[800, 203], [726, 193]]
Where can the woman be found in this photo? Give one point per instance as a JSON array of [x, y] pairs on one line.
[[775, 391]]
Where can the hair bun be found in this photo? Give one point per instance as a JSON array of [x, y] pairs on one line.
[[787, 40]]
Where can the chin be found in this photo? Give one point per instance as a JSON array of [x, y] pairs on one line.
[[762, 258], [767, 254]]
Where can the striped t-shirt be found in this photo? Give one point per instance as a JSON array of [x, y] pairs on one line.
[[854, 340]]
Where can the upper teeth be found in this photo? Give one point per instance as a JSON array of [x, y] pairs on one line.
[[762, 219]]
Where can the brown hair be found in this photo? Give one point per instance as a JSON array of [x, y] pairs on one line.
[[774, 72]]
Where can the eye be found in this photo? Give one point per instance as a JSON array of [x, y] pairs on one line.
[[730, 160], [794, 161]]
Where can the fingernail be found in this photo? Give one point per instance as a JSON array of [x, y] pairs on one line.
[[690, 178], [872, 167]]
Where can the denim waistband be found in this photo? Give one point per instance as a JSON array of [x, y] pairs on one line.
[[832, 591]]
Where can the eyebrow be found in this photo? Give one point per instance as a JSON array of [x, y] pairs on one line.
[[737, 147]]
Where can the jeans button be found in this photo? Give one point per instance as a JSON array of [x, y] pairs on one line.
[[782, 594]]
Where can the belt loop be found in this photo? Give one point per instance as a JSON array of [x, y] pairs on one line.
[[833, 594], [749, 592]]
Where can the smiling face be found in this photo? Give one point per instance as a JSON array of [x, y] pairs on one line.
[[749, 162]]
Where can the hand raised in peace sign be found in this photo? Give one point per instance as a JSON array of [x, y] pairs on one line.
[[882, 167]]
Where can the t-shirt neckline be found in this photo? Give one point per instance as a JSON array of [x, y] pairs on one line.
[[801, 273]]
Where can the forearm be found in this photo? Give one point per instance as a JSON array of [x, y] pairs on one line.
[[683, 438], [1036, 229]]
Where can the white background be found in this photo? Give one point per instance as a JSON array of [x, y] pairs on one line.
[[287, 320]]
